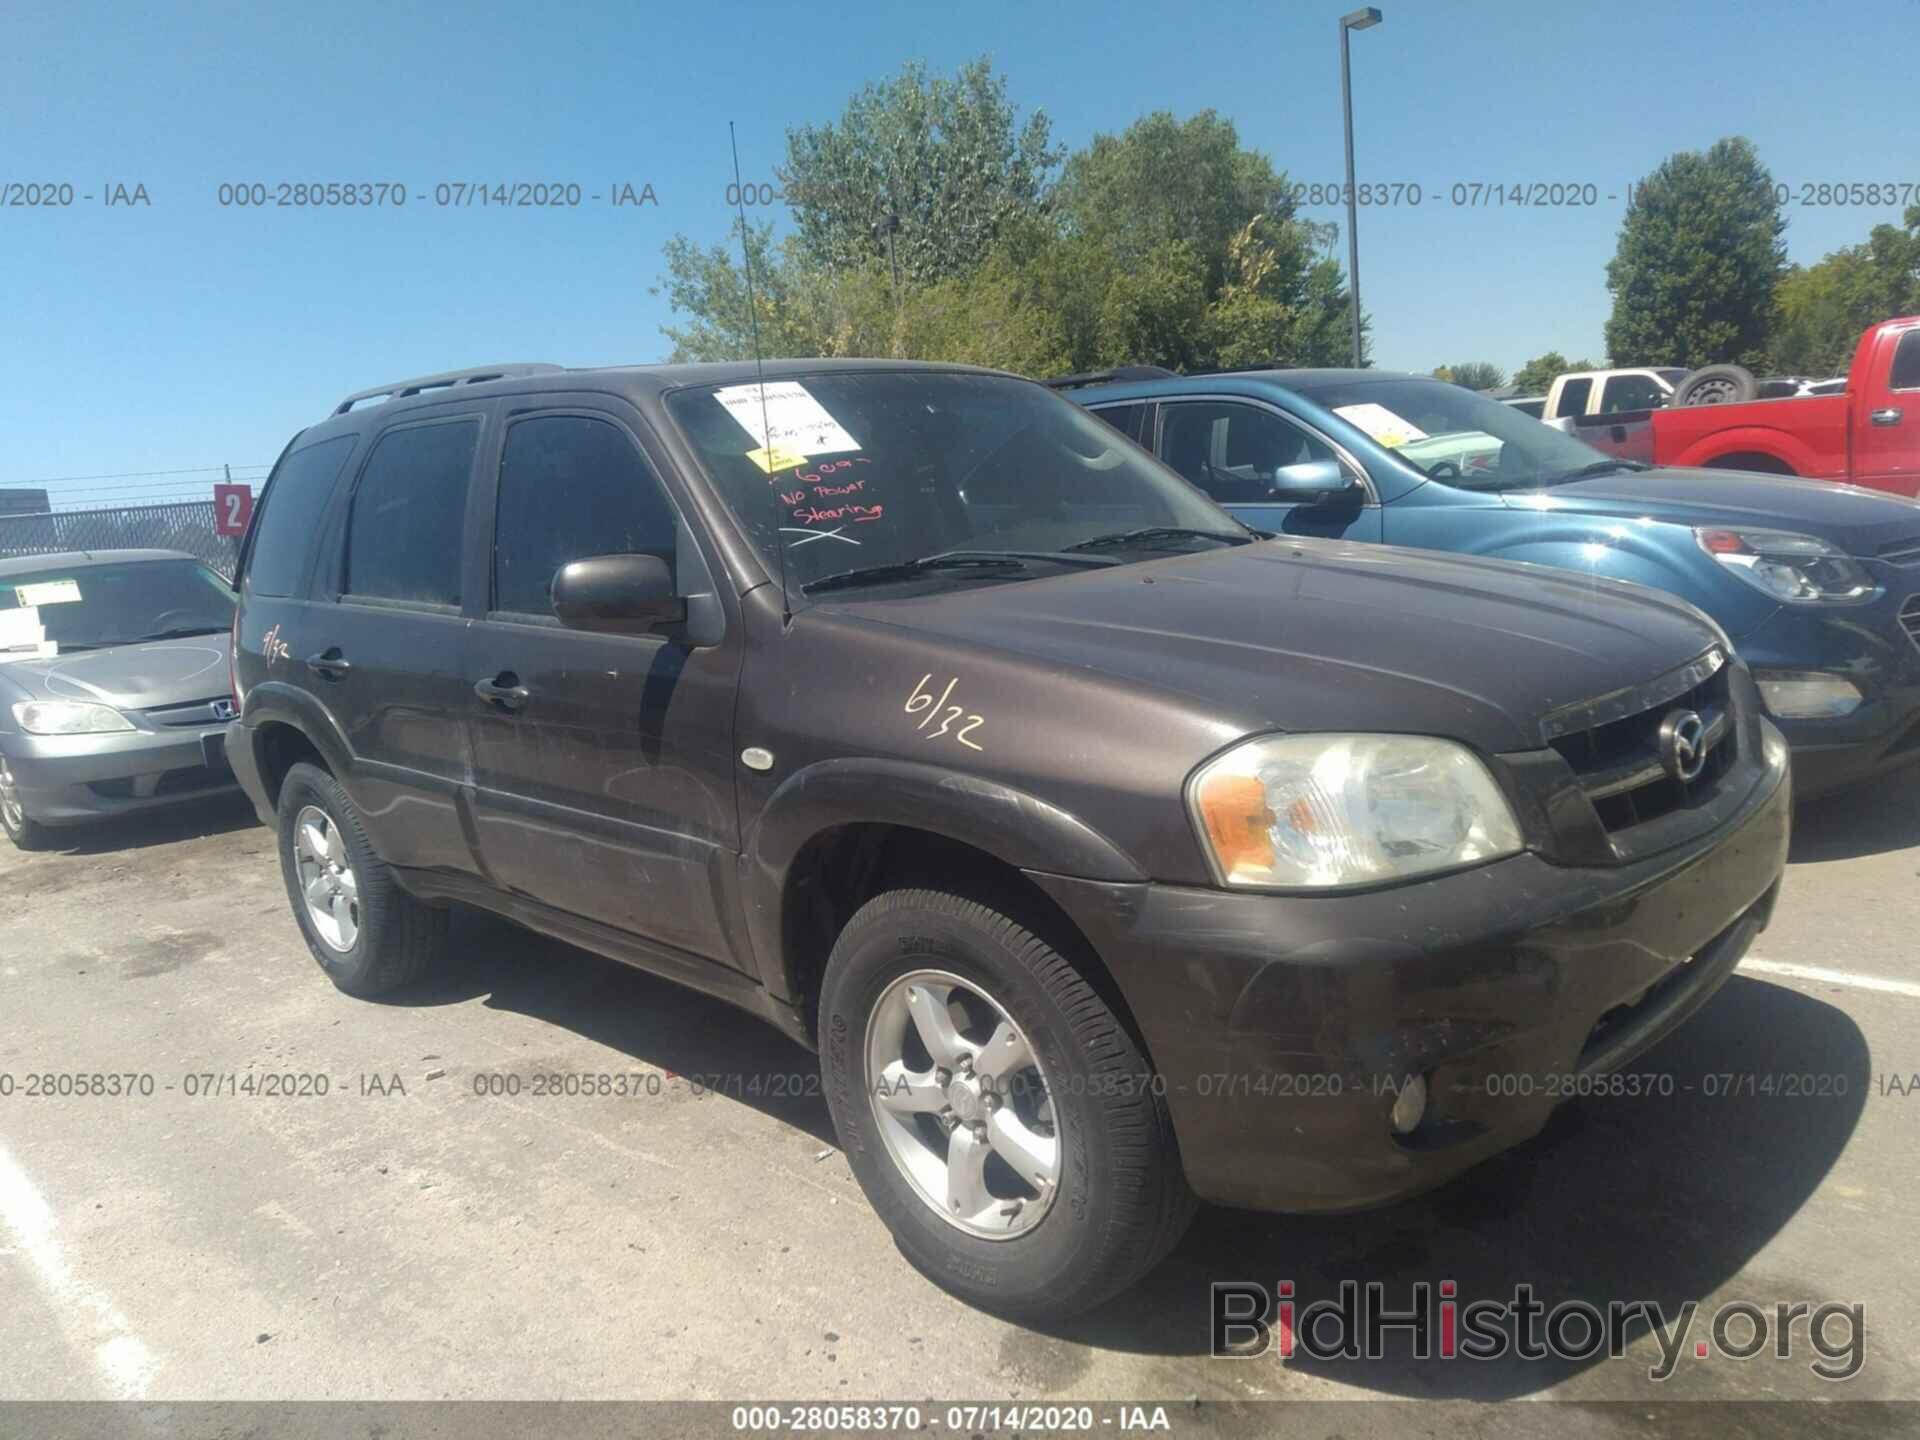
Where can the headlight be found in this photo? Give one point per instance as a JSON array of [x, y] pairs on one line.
[[68, 717], [1790, 567], [1794, 695], [1322, 811]]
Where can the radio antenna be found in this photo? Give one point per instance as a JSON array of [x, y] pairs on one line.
[[760, 375]]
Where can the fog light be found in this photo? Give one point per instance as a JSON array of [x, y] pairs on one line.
[[1799, 695], [1411, 1107]]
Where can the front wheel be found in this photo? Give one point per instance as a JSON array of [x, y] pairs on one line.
[[997, 1113], [22, 829]]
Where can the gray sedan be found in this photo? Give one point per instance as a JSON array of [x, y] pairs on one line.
[[114, 686]]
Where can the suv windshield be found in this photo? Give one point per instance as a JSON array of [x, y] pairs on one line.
[[89, 607], [1450, 434], [986, 477]]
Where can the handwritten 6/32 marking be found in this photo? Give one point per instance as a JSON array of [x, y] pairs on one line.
[[922, 703]]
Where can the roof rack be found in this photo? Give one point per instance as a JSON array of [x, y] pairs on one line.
[[1106, 377], [402, 389]]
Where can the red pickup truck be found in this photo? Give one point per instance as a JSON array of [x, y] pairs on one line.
[[1870, 435]]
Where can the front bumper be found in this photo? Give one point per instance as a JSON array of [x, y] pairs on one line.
[[67, 779], [1283, 1027], [1866, 647]]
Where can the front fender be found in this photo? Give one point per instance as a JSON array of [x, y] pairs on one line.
[[1011, 825], [1623, 551]]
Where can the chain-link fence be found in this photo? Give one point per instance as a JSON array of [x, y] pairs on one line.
[[187, 525]]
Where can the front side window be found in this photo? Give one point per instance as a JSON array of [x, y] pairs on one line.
[[1446, 433], [404, 538], [290, 515], [1124, 418], [93, 607], [571, 487], [1234, 451], [845, 471], [1906, 362]]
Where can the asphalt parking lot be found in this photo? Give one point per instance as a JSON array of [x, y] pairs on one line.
[[420, 1231]]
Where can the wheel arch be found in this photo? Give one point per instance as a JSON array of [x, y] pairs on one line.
[[284, 726]]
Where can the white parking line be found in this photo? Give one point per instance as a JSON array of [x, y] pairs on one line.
[[1832, 977], [90, 1320]]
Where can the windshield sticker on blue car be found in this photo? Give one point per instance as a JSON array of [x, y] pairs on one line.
[[1381, 423]]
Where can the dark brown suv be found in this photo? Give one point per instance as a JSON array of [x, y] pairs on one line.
[[1109, 853]]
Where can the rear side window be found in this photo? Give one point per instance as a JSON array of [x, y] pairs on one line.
[[290, 516], [1631, 392], [571, 487], [403, 541], [1124, 418], [1573, 397], [1906, 362]]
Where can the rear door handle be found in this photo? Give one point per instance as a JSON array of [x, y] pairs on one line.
[[329, 663], [1889, 416], [504, 690]]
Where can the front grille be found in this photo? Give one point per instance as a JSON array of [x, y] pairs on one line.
[[215, 711], [1910, 619], [1619, 763]]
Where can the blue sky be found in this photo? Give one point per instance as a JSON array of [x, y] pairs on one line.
[[184, 335]]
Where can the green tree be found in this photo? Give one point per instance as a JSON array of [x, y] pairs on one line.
[[945, 164], [1698, 260], [1537, 375], [1824, 307], [1473, 374]]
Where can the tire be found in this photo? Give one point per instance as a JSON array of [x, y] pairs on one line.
[[394, 938], [22, 829], [1121, 1200], [1716, 385]]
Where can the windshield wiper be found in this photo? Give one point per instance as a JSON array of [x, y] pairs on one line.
[[1148, 535], [946, 560], [1598, 467], [178, 632]]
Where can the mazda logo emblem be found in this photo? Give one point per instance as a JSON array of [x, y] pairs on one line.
[[1683, 748]]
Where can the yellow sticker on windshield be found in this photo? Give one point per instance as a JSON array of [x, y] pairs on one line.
[[776, 457], [49, 592]]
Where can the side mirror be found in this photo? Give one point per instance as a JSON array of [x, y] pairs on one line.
[[619, 594], [1312, 481]]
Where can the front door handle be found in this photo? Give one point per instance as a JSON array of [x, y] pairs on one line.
[[329, 663], [1888, 416], [504, 690]]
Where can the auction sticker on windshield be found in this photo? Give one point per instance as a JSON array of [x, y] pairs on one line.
[[787, 421], [49, 592], [1381, 423]]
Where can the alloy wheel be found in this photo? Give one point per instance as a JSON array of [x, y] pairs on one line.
[[962, 1104], [327, 882], [11, 810]]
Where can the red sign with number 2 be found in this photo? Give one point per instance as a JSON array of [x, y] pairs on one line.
[[232, 508]]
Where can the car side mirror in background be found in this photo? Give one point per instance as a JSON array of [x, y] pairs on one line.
[[1311, 481], [619, 594]]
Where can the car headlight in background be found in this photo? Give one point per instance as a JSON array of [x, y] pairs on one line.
[[68, 717], [1806, 695], [1797, 568], [1323, 811]]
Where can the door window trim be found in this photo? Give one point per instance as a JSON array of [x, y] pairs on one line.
[[1347, 457]]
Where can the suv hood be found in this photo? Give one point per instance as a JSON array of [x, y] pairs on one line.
[[1862, 522], [1306, 635], [128, 677]]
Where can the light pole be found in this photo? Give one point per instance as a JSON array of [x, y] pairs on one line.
[[1359, 20]]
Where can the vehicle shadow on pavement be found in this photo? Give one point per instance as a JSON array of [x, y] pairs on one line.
[[663, 1024], [215, 815], [1649, 1199], [1864, 820]]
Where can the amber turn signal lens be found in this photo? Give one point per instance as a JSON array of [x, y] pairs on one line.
[[1234, 809]]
